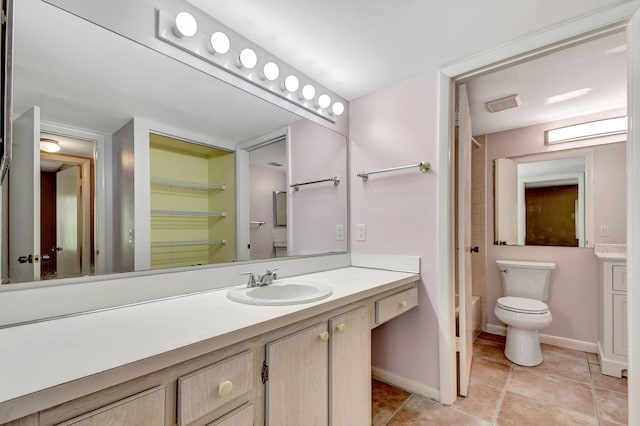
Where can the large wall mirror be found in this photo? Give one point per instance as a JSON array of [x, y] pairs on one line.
[[125, 159]]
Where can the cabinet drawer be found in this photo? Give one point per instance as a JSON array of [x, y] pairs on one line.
[[205, 390], [619, 277], [396, 304], [146, 408], [241, 417]]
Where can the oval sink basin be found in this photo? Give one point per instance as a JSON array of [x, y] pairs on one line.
[[280, 293]]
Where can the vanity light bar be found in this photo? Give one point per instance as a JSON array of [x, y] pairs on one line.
[[182, 31], [592, 129]]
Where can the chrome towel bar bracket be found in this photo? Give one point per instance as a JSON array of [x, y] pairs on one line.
[[422, 166]]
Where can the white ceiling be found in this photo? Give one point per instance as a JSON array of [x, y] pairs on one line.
[[356, 47]]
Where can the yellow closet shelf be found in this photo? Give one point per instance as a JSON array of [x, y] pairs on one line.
[[176, 183], [162, 212], [187, 243]]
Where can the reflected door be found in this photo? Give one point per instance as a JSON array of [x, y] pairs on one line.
[[24, 198], [68, 218]]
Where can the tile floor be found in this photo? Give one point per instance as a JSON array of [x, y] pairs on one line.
[[566, 389]]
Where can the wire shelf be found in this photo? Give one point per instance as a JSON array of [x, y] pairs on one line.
[[187, 243], [186, 213], [176, 183]]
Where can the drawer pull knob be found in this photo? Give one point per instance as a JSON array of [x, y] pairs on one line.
[[324, 336], [403, 304], [225, 388], [342, 328]]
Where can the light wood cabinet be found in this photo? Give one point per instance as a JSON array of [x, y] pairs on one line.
[[322, 373], [396, 304], [241, 417], [612, 336], [145, 409]]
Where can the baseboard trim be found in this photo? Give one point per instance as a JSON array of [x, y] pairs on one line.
[[563, 342], [406, 384]]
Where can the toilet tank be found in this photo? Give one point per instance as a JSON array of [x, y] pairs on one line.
[[525, 279]]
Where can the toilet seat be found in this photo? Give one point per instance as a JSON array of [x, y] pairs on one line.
[[522, 305]]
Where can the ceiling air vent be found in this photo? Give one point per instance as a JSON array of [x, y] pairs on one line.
[[501, 104]]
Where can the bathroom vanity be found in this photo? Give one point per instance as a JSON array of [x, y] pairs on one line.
[[612, 334], [203, 359]]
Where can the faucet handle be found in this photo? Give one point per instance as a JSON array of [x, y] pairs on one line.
[[272, 270], [252, 279]]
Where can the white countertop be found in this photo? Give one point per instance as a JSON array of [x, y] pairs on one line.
[[38, 356], [611, 251]]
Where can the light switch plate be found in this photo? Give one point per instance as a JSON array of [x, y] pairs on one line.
[[604, 230], [361, 232], [339, 232]]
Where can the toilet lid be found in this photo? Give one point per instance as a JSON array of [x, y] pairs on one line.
[[522, 304]]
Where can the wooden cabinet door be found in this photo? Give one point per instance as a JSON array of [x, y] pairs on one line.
[[351, 368], [298, 384]]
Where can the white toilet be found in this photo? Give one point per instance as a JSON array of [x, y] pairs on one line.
[[525, 286]]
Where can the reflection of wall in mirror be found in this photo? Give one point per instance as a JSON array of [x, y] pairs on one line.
[[263, 181], [316, 153], [573, 298]]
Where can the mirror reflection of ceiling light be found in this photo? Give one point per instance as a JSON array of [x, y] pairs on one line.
[[270, 71], [291, 83], [337, 108], [324, 101], [186, 25], [219, 43], [247, 59], [49, 145], [618, 49], [593, 129], [308, 92], [568, 96]]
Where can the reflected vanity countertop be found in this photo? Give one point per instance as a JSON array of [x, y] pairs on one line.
[[55, 352], [611, 251]]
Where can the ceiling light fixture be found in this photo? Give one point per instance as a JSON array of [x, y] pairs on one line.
[[308, 92], [337, 108], [593, 129], [291, 83], [49, 145], [568, 96], [324, 101], [185, 25], [270, 71], [219, 43], [247, 59]]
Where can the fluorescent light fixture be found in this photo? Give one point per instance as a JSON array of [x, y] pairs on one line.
[[324, 101], [186, 25], [593, 129], [568, 96], [308, 92], [337, 108], [270, 71], [49, 145], [247, 59], [291, 83], [219, 43]]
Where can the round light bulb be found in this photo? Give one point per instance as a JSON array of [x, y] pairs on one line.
[[186, 25], [338, 108], [308, 92], [219, 43], [248, 58], [291, 83], [271, 71], [324, 101]]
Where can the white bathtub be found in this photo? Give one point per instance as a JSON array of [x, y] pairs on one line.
[[476, 315]]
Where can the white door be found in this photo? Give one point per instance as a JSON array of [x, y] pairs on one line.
[[68, 218], [465, 331], [24, 198], [505, 193]]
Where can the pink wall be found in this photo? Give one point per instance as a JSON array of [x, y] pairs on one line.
[[263, 181], [396, 126], [316, 153], [573, 299]]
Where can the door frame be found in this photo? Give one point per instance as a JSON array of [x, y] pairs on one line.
[[101, 258], [578, 30]]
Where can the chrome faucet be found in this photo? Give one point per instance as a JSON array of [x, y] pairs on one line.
[[265, 279]]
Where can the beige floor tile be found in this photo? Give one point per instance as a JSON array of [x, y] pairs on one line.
[[518, 410], [564, 364], [492, 337], [419, 411], [490, 350], [554, 390], [608, 423], [481, 401], [489, 372], [563, 352], [385, 401], [612, 405], [607, 382], [593, 358]]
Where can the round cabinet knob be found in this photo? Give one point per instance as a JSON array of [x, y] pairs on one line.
[[403, 304], [324, 336], [225, 388], [342, 328]]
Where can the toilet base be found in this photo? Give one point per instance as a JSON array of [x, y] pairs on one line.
[[523, 347]]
